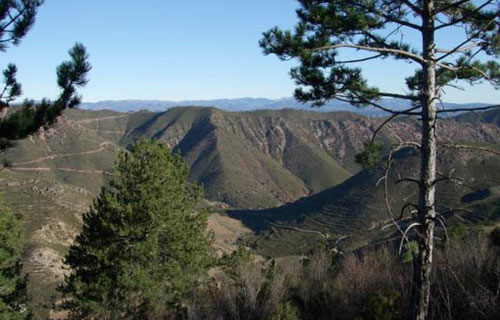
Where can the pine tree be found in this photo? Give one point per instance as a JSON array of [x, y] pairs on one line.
[[329, 30], [143, 243], [16, 19], [12, 283]]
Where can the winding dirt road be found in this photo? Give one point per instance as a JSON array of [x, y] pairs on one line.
[[102, 147]]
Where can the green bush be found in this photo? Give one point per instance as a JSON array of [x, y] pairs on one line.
[[382, 307], [286, 311]]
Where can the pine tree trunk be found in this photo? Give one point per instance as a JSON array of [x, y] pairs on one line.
[[426, 212]]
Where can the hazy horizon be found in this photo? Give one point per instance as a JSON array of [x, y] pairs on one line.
[[178, 51]]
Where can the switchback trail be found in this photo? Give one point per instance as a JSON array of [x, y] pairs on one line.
[[102, 147]]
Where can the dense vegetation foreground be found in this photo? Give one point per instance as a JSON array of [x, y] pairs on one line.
[[143, 253], [370, 284]]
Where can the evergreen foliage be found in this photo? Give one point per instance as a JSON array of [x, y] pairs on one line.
[[16, 19], [382, 307], [286, 311], [143, 243], [30, 116], [12, 283], [328, 32], [371, 155]]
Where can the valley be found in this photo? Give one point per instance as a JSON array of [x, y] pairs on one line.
[[266, 174]]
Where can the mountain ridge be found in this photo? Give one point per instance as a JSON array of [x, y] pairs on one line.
[[246, 160], [250, 104]]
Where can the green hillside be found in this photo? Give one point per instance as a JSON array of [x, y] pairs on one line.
[[356, 209], [246, 161], [52, 218], [491, 116]]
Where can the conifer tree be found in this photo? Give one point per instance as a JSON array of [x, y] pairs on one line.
[[329, 31], [143, 243], [12, 283], [16, 19]]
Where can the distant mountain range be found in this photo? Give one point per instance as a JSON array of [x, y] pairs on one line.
[[250, 104]]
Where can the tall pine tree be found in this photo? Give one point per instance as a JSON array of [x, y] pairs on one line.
[[12, 283], [143, 243], [330, 31]]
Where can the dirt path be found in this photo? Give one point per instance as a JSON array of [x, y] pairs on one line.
[[61, 169], [29, 168], [99, 119], [106, 131], [19, 166], [102, 147]]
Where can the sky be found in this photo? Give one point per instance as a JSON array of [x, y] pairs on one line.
[[177, 50]]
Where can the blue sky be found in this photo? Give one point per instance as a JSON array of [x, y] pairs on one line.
[[176, 50]]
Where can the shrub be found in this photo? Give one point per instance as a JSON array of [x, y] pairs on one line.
[[286, 311]]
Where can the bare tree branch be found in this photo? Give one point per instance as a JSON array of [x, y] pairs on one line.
[[408, 180], [392, 117], [403, 53], [469, 109], [385, 178], [407, 206], [462, 146], [405, 233]]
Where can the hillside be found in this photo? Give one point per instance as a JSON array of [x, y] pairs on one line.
[[357, 212], [249, 160], [252, 104], [81, 149]]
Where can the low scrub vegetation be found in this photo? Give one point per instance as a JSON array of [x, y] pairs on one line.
[[373, 283]]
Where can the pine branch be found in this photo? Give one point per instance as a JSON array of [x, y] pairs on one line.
[[453, 5], [469, 147], [464, 18], [13, 19], [412, 6], [392, 117], [470, 38], [359, 60], [363, 100], [458, 49], [469, 109], [403, 53], [402, 22], [400, 96]]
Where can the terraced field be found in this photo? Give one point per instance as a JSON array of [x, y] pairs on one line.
[[357, 209], [52, 218]]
